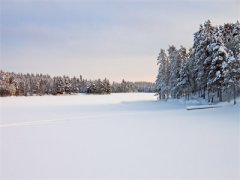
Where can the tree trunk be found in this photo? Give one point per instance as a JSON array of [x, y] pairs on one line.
[[220, 95], [204, 89], [234, 94], [208, 97]]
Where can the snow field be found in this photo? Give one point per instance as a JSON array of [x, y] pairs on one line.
[[117, 136]]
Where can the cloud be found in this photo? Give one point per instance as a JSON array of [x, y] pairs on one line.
[[77, 35]]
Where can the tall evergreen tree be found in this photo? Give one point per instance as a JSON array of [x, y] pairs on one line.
[[162, 82], [218, 57], [231, 69]]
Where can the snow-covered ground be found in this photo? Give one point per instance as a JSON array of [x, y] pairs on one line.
[[118, 136]]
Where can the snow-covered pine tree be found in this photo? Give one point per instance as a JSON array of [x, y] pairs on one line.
[[7, 87], [172, 51], [231, 72], [67, 85], [218, 56], [162, 81], [75, 85], [41, 87], [201, 41], [175, 64], [92, 87], [99, 86], [182, 57], [227, 31], [34, 84], [235, 41], [197, 52], [184, 81], [107, 86], [192, 70], [49, 82], [60, 85], [54, 86], [83, 85], [19, 85]]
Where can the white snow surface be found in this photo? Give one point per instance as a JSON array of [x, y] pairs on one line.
[[117, 136]]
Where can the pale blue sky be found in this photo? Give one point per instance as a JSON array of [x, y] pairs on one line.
[[101, 38]]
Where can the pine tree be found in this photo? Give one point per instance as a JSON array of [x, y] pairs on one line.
[[92, 88], [175, 64], [227, 31], [67, 85], [107, 86], [202, 40], [231, 69], [60, 88], [218, 56], [184, 81], [236, 40], [75, 83], [162, 82], [7, 87]]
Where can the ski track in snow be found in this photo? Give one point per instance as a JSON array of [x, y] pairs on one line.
[[62, 120]]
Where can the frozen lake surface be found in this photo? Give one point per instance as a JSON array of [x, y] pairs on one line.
[[117, 136]]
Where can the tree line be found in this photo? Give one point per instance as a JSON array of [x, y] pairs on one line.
[[209, 69], [13, 84]]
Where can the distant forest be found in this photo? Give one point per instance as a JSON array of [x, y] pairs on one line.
[[12, 84], [209, 69]]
